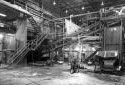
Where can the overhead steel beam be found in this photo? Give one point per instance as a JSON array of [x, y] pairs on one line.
[[78, 15], [113, 17], [15, 7]]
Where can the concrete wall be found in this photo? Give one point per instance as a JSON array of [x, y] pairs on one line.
[[11, 42], [21, 34]]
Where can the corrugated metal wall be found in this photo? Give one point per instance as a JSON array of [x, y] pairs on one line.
[[112, 38]]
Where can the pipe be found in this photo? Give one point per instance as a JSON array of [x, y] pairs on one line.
[[76, 15]]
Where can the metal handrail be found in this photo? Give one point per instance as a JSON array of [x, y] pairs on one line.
[[40, 39], [22, 57], [30, 43], [20, 51], [34, 42], [14, 58], [39, 42]]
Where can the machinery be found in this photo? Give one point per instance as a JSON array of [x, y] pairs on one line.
[[107, 61], [112, 54]]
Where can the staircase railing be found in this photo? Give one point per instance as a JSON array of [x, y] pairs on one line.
[[37, 42], [19, 52], [31, 45], [34, 24], [21, 56]]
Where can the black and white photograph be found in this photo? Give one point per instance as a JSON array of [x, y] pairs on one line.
[[62, 42]]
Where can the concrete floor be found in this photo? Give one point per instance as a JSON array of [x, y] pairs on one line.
[[56, 75]]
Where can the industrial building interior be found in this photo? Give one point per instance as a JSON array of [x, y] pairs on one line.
[[62, 42]]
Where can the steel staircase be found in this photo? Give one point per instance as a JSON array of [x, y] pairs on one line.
[[31, 45], [37, 42], [34, 24], [21, 52]]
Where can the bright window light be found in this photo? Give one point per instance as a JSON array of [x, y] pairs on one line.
[[1, 36], [115, 29], [116, 53], [3, 15]]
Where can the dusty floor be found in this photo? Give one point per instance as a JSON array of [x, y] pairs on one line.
[[56, 75]]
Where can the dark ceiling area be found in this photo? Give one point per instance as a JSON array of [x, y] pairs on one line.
[[68, 7], [10, 13]]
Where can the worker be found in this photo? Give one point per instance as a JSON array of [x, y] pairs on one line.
[[74, 65]]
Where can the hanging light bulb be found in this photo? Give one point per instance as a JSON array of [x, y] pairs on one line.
[[54, 3], [102, 3], [83, 8], [66, 11]]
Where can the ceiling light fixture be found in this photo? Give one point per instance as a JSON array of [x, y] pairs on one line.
[[102, 3], [66, 11], [54, 2], [3, 15], [83, 8]]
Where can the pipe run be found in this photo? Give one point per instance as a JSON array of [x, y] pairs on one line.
[[76, 15]]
